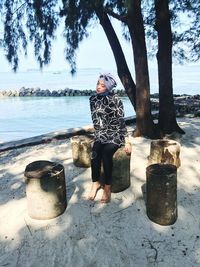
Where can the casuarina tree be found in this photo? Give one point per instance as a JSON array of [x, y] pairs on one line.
[[37, 21]]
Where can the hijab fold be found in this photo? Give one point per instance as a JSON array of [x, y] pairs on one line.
[[109, 81]]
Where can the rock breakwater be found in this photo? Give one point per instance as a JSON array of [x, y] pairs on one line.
[[184, 104], [24, 92]]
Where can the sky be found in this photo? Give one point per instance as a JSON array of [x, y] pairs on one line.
[[93, 52]]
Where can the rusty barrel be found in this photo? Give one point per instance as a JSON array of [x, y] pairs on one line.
[[161, 201], [45, 189]]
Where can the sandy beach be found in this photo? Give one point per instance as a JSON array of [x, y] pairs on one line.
[[91, 234]]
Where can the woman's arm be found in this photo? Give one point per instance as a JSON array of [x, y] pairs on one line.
[[128, 146], [95, 119], [120, 117]]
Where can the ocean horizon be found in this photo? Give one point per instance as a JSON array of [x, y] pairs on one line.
[[186, 79], [23, 117]]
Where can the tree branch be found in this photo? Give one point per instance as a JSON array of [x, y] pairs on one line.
[[16, 10], [116, 16]]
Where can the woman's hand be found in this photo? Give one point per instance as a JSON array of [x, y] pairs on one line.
[[128, 148]]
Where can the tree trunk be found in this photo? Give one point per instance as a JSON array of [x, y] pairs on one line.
[[167, 115], [144, 120], [122, 67]]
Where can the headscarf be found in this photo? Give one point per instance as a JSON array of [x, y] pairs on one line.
[[109, 81]]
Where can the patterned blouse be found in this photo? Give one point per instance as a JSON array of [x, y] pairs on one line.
[[108, 119]]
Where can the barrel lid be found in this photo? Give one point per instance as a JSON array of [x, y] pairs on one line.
[[42, 168], [82, 138], [161, 169]]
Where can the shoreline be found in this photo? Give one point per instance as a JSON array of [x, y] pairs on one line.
[[185, 105], [56, 135], [182, 112]]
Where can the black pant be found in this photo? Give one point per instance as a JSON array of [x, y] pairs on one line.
[[102, 153]]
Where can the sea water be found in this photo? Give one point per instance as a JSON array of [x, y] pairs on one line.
[[186, 79], [22, 117]]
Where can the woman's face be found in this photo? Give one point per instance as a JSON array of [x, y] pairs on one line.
[[100, 88]]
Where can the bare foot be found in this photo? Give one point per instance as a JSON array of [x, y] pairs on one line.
[[93, 191], [106, 194]]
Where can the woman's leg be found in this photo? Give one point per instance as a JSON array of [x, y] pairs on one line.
[[96, 161], [95, 169], [107, 157]]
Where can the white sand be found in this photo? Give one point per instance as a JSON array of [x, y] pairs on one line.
[[94, 234]]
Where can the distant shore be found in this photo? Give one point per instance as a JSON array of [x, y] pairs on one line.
[[34, 92]]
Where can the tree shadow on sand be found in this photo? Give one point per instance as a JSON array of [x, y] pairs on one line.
[[89, 233]]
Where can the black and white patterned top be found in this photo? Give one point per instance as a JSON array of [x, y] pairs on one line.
[[108, 119]]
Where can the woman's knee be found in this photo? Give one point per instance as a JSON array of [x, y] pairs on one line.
[[109, 149], [96, 150]]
